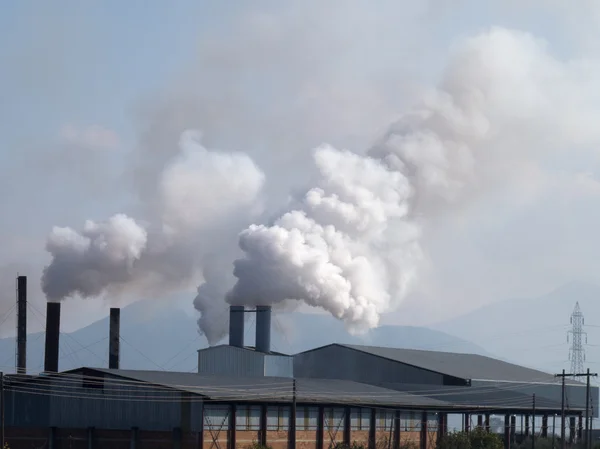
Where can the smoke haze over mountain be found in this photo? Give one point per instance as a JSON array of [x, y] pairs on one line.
[[363, 160]]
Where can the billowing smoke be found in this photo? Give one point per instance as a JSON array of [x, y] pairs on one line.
[[200, 194], [352, 246], [86, 263], [356, 240], [334, 251], [214, 312]]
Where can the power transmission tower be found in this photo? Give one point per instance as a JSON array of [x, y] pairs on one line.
[[576, 352]]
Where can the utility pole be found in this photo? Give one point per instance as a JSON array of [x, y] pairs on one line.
[[587, 404], [2, 410], [533, 425], [293, 418], [553, 429], [591, 426], [587, 410], [562, 409]]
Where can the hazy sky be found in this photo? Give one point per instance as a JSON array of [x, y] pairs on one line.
[[90, 88]]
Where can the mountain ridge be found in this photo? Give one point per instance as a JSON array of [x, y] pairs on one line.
[[533, 330], [166, 337]]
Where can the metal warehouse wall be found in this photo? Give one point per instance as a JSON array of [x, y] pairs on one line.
[[338, 362], [26, 409], [234, 361], [279, 366], [230, 360], [69, 404]]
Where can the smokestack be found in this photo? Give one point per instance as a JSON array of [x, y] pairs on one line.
[[263, 328], [114, 338], [236, 326], [52, 337], [22, 325]]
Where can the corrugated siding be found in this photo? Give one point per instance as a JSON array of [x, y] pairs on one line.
[[279, 366], [112, 404], [26, 409], [196, 416], [216, 417], [338, 362], [230, 361], [118, 405]]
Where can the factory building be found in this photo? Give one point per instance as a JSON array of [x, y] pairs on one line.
[[244, 396]]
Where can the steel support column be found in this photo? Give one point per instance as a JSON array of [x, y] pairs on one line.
[[372, 429], [347, 426], [544, 426], [506, 431], [397, 417], [423, 439]]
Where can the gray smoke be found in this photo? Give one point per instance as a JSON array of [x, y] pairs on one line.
[[85, 263], [356, 240], [199, 193], [353, 244], [214, 312]]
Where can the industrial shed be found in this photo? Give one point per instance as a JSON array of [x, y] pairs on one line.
[[244, 361], [378, 397], [461, 380], [128, 408]]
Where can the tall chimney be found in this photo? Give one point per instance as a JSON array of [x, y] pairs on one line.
[[263, 329], [22, 325], [236, 326], [114, 338], [52, 337]]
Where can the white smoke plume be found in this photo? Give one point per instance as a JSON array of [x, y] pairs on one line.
[[332, 252], [200, 193], [356, 240], [353, 244]]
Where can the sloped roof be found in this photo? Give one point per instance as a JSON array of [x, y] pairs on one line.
[[274, 388], [489, 396], [245, 348], [463, 366]]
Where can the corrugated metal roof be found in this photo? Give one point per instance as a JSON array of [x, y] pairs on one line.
[[464, 366], [276, 389], [330, 391], [493, 396], [247, 348]]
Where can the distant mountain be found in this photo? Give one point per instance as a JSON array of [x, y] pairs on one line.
[[166, 337], [533, 331], [306, 331]]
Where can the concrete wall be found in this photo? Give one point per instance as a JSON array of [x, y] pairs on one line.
[[338, 362]]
